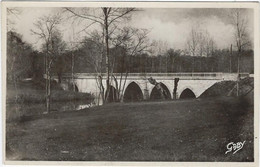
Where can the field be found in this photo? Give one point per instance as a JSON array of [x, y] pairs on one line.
[[182, 130]]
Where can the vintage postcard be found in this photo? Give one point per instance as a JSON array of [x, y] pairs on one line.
[[130, 83]]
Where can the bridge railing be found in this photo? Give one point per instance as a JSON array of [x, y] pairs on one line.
[[218, 75], [243, 75], [150, 74], [180, 75]]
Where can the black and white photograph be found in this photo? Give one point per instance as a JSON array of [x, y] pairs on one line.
[[130, 82]]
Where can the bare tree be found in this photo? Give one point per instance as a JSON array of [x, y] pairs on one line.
[[74, 46], [108, 18], [200, 43], [192, 45], [92, 47], [18, 59], [210, 45], [192, 42], [12, 14], [46, 28], [134, 41], [160, 48], [240, 22]]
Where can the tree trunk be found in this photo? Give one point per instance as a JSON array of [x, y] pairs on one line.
[[49, 92], [101, 87], [176, 80], [107, 52], [238, 71], [230, 65], [166, 64], [126, 75], [72, 71], [192, 64], [46, 84]]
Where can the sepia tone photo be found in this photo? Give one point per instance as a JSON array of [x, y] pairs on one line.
[[131, 83]]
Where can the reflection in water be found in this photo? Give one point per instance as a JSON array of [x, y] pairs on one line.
[[16, 111], [95, 102], [80, 107]]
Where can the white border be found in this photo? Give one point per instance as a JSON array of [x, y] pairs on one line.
[[253, 5]]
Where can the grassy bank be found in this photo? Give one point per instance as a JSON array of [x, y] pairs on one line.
[[183, 130], [229, 88]]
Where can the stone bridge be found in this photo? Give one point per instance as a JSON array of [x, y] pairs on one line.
[[137, 87]]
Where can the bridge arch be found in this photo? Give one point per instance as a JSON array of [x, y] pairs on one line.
[[156, 94], [187, 93], [133, 92]]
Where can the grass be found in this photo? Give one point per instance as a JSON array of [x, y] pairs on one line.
[[182, 130], [228, 88]]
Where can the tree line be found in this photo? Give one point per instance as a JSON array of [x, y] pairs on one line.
[[30, 63], [115, 48], [172, 61]]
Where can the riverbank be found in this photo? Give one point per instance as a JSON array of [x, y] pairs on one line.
[[28, 98], [182, 130], [34, 92]]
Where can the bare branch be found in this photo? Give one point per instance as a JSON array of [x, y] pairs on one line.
[[88, 17]]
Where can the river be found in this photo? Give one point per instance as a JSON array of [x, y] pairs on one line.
[[16, 111]]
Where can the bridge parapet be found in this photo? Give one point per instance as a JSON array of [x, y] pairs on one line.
[[234, 76], [166, 76]]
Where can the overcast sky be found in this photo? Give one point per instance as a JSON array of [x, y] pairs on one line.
[[171, 25]]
